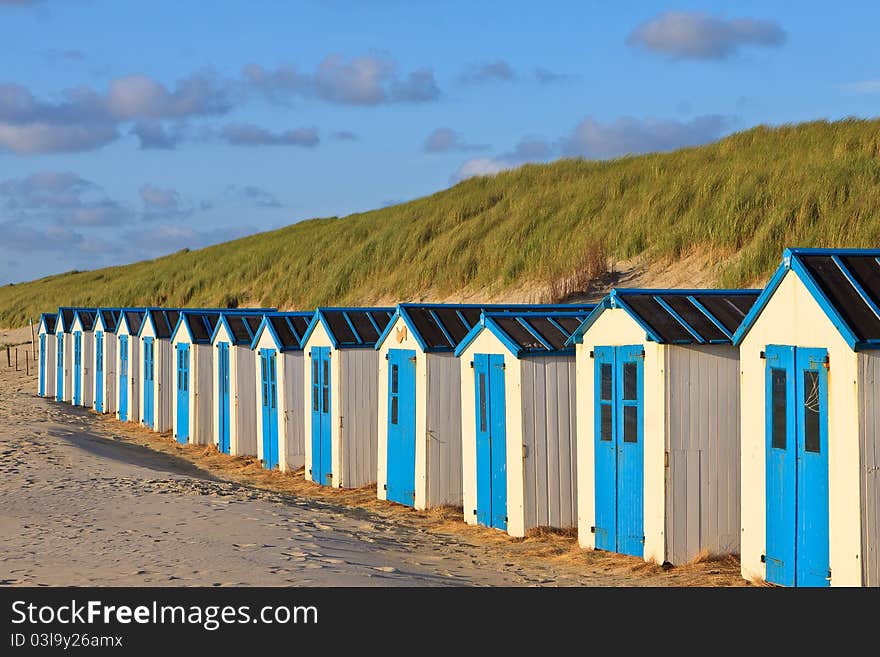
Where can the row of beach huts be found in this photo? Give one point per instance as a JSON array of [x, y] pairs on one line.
[[664, 424]]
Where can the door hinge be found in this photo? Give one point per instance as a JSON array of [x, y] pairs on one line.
[[505, 518], [592, 354], [412, 359], [475, 512], [763, 556], [593, 529], [503, 366], [762, 355], [472, 367], [386, 356], [829, 575], [385, 487]]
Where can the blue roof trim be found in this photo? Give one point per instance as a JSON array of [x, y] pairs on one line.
[[617, 301], [266, 325], [225, 324], [487, 323], [357, 336], [470, 337], [463, 320], [182, 320], [290, 326], [752, 316], [411, 327], [678, 318], [319, 318]]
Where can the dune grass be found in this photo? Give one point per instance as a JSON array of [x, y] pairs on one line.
[[748, 195]]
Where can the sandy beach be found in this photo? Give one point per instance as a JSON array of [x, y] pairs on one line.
[[85, 500]]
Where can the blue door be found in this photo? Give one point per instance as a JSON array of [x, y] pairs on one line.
[[223, 401], [269, 397], [796, 412], [401, 485], [182, 433], [149, 382], [77, 368], [99, 371], [59, 369], [322, 470], [619, 448], [123, 378], [491, 425], [43, 365]]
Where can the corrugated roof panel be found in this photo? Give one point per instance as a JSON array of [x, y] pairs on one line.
[[453, 324], [865, 270], [134, 319], [570, 324], [253, 322], [843, 296], [382, 318], [729, 310], [694, 317], [237, 326]]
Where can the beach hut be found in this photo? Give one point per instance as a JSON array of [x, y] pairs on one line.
[[46, 331], [518, 427], [157, 371], [235, 397], [83, 353], [64, 353], [810, 361], [277, 388], [104, 363], [341, 396], [420, 395], [127, 364], [658, 423], [194, 376]]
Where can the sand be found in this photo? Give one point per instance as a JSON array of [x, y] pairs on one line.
[[86, 500]]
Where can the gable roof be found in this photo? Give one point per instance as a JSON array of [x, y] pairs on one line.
[[523, 333], [695, 316], [241, 327], [287, 329], [163, 321], [844, 282], [131, 319], [86, 318], [351, 327], [198, 324], [439, 327], [66, 315], [109, 318], [47, 322]]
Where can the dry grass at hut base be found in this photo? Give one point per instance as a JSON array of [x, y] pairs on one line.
[[552, 546]]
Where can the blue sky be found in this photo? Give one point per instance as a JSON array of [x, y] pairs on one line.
[[133, 129]]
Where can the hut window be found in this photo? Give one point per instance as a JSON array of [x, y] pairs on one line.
[[394, 388], [606, 382], [779, 410], [326, 387], [605, 429], [316, 384], [394, 379], [630, 424], [811, 411], [630, 389], [394, 410], [482, 401]]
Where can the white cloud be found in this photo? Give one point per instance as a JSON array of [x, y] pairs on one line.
[[697, 35]]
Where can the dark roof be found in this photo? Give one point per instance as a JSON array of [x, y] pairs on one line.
[[844, 282], [67, 314], [201, 325], [441, 327], [86, 319], [697, 316], [164, 321], [134, 318], [288, 328], [530, 332], [109, 317], [49, 320], [352, 327]]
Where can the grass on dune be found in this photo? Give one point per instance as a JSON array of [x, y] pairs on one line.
[[750, 194]]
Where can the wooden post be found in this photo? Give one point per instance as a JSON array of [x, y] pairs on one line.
[[27, 364], [16, 359], [8, 361], [33, 341]]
